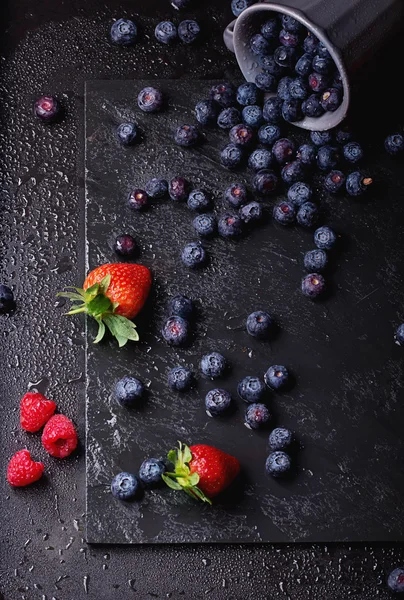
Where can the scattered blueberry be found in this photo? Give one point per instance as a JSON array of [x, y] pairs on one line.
[[303, 65], [206, 112], [138, 200], [127, 133], [293, 172], [252, 116], [238, 6], [150, 100], [129, 391], [236, 195], [283, 90], [394, 144], [269, 134], [259, 45], [272, 110], [247, 94], [318, 82], [307, 154], [230, 225], [259, 324], [166, 32], [292, 110], [325, 238], [178, 189], [331, 99], [395, 581], [284, 213], [205, 225], [125, 486], [277, 464], [321, 138], [276, 377], [156, 188], [334, 181], [231, 156], [175, 331], [327, 158], [313, 285], [47, 109], [353, 152], [283, 150], [256, 416], [400, 335], [280, 439], [124, 32], [307, 214], [188, 31], [287, 38], [251, 389], [265, 183], [265, 82], [213, 365], [291, 24], [299, 193], [193, 255], [7, 303], [315, 261], [224, 94], [180, 379], [228, 118], [151, 470], [125, 245], [251, 212], [343, 135], [181, 306], [310, 44], [312, 107], [285, 57], [357, 184], [267, 62], [241, 134], [270, 29], [298, 89], [199, 200], [186, 135], [260, 159], [217, 402]]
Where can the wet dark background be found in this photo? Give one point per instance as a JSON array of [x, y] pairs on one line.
[[53, 47]]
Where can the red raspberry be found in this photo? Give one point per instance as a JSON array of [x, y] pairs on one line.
[[59, 436], [22, 470], [35, 411]]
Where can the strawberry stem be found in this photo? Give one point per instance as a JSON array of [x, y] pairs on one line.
[[182, 478]]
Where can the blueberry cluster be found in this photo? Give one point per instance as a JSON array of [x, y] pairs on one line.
[[278, 462], [128, 486], [177, 328], [187, 31]]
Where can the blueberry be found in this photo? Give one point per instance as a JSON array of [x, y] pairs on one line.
[[303, 65], [125, 486], [228, 118], [127, 133], [236, 195], [323, 65], [357, 184], [125, 245], [400, 335], [7, 303], [256, 416], [186, 135], [298, 88], [150, 100], [205, 225], [343, 135], [129, 391], [231, 156], [272, 110], [299, 193], [193, 255], [313, 285], [288, 38], [260, 159], [180, 379], [138, 200], [353, 152], [175, 331], [217, 402], [166, 32], [251, 212], [199, 200], [178, 189], [334, 181], [325, 238], [293, 172], [259, 324], [331, 99], [310, 43], [291, 24], [292, 110], [247, 94], [307, 215], [123, 32], [280, 439], [251, 389], [213, 365], [238, 6], [224, 94], [285, 57], [283, 150], [315, 261], [259, 45], [321, 138], [337, 82], [327, 158], [265, 183], [151, 470], [178, 4], [276, 377], [269, 134], [270, 29], [312, 107], [181, 306], [284, 213], [265, 82], [252, 116], [307, 154], [230, 225], [318, 82], [277, 464], [395, 581], [323, 51], [206, 112], [269, 65], [283, 90], [156, 188], [394, 144], [47, 109], [241, 135], [188, 31]]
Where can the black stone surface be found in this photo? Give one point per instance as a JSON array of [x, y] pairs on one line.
[[344, 406], [52, 47]]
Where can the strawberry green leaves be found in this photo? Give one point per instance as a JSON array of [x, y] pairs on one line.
[[182, 478]]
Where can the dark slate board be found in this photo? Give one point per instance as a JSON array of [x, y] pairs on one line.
[[347, 404]]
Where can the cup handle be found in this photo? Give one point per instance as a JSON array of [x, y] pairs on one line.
[[228, 36]]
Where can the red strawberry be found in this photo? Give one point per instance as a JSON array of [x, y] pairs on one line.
[[35, 411], [113, 294], [59, 437], [22, 470], [201, 471]]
